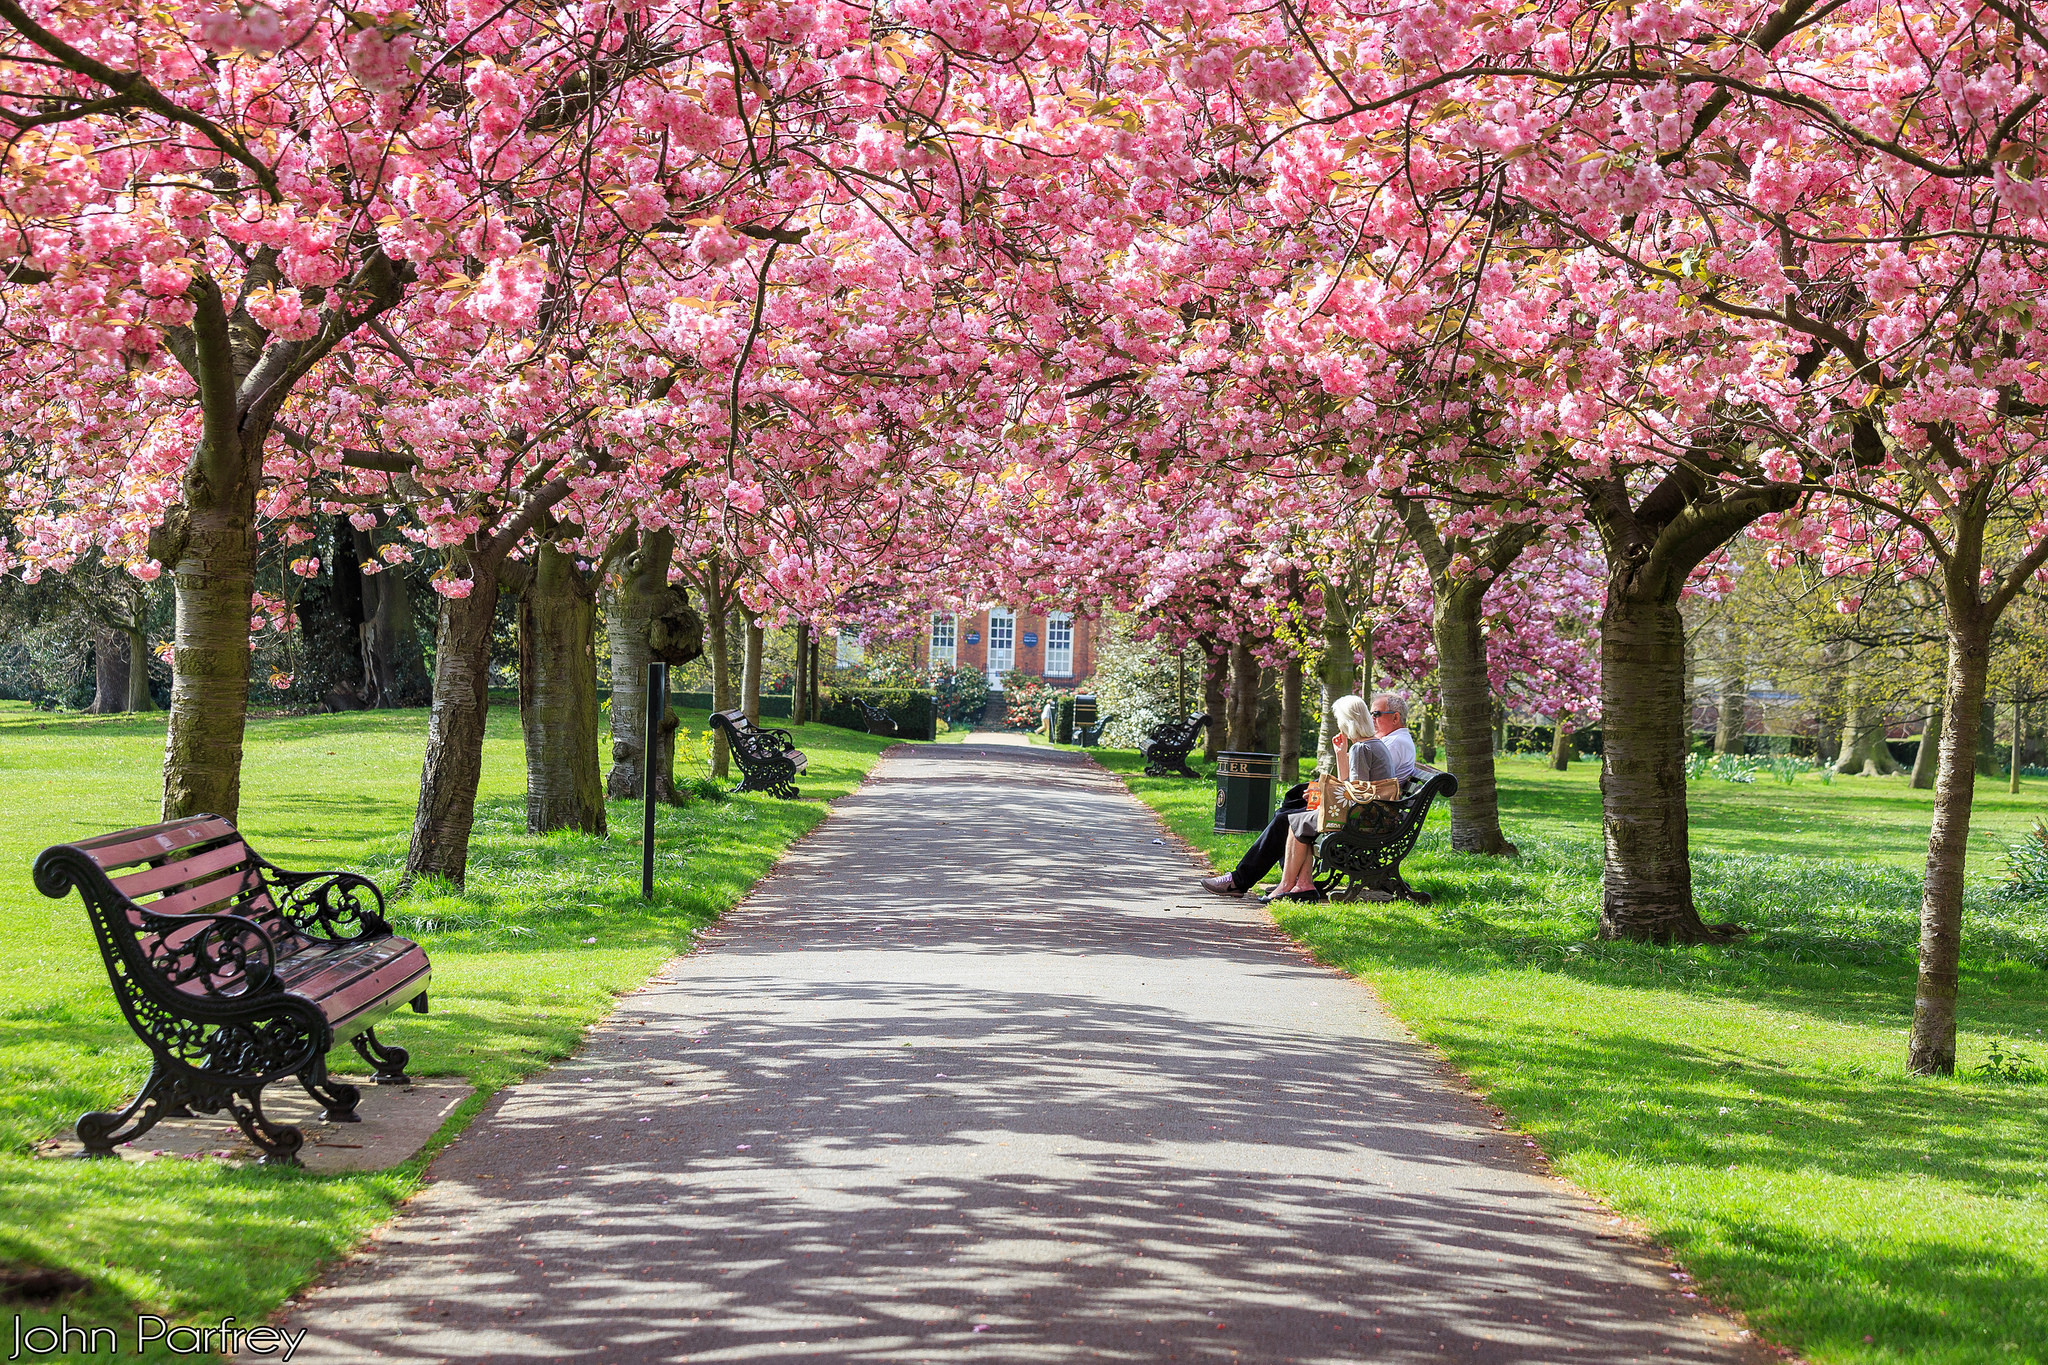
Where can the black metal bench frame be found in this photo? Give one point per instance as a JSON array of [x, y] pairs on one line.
[[880, 722], [1166, 749], [769, 759], [236, 973], [1365, 856], [1088, 736]]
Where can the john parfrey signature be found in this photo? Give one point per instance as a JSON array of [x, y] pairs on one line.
[[178, 1339]]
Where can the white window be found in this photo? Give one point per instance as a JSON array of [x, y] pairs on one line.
[[1059, 645], [945, 631], [1002, 644], [849, 650]]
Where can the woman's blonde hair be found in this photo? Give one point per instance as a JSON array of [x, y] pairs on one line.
[[1354, 717]]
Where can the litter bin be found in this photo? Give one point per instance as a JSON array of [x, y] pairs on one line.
[[1244, 791]]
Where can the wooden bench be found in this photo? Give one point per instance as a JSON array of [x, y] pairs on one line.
[[769, 759], [1166, 749], [880, 722], [1363, 859], [236, 973]]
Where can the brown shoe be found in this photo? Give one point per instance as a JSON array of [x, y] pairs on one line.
[[1222, 886]]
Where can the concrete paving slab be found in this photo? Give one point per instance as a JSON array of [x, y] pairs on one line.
[[395, 1122], [979, 1074]]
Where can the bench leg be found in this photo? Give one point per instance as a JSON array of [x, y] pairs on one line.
[[339, 1097], [388, 1061], [279, 1142], [160, 1098]]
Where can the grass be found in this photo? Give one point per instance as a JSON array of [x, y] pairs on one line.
[[1747, 1103], [515, 982]]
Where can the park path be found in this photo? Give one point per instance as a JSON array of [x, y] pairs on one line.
[[979, 1074]]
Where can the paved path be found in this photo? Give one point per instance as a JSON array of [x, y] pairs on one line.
[[979, 1074]]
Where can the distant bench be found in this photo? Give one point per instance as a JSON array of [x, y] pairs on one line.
[[769, 759], [236, 973], [880, 722], [1166, 749]]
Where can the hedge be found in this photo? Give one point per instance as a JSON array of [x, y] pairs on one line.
[[916, 713]]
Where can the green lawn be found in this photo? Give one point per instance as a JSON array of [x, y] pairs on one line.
[[515, 984], [1748, 1104]]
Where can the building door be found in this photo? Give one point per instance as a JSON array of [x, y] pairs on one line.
[[1002, 645]]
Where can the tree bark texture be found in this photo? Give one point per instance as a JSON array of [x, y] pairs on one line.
[[1731, 725], [1467, 691], [639, 592], [1290, 723], [799, 688], [215, 579], [1932, 1048], [455, 732], [1561, 746], [1987, 738], [558, 696], [750, 673], [1245, 675], [1215, 695], [1927, 757], [1428, 745]]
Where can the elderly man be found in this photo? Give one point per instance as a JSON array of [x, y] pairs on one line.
[[1390, 719]]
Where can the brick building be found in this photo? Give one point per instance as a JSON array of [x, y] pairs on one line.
[[1057, 646]]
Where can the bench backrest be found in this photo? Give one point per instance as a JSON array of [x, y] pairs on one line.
[[747, 739], [1180, 734], [1397, 824], [182, 869]]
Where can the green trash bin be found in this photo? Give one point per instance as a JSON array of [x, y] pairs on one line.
[[1244, 791]]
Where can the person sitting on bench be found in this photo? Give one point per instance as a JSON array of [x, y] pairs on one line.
[[1291, 833]]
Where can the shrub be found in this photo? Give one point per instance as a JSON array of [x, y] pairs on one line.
[[1024, 699], [2026, 866], [914, 711], [960, 692], [1137, 683]]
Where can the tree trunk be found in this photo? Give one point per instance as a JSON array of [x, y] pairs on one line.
[[1932, 1050], [215, 572], [2019, 731], [1428, 746], [1731, 725], [1215, 693], [393, 663], [1864, 751], [1561, 745], [638, 594], [558, 697], [800, 697], [1500, 726], [1925, 760], [1987, 739], [715, 613], [1290, 723], [109, 672], [1244, 697], [455, 732], [1648, 884], [1338, 669], [1467, 693], [139, 699], [750, 673]]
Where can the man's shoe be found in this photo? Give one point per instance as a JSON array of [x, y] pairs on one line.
[[1222, 886]]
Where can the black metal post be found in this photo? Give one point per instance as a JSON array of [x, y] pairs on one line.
[[657, 707]]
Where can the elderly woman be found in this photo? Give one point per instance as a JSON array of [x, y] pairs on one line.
[[1360, 754]]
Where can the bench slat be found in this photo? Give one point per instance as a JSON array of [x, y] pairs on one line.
[[215, 892], [164, 876], [152, 841]]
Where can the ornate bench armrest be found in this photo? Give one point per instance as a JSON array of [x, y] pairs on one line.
[[331, 905], [784, 737], [222, 957]]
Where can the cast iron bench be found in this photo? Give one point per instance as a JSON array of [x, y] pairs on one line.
[[1365, 856], [236, 973], [880, 722], [1166, 749], [769, 759], [1088, 736]]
